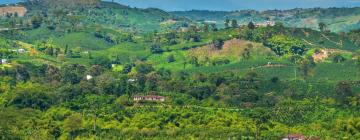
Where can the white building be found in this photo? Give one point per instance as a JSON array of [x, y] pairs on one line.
[[88, 77], [21, 50], [149, 98], [3, 61]]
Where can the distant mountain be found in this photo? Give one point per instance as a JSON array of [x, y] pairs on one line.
[[336, 19]]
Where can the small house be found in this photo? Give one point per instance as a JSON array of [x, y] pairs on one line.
[[88, 77], [149, 98], [132, 80], [21, 50], [3, 61]]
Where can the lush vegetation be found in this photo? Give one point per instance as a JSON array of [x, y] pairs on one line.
[[72, 73]]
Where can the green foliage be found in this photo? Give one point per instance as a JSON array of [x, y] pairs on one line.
[[170, 58], [30, 95], [36, 21], [73, 123], [282, 45], [156, 49]]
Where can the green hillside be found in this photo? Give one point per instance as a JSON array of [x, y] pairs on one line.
[[107, 14]]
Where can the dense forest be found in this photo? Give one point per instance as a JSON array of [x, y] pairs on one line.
[[100, 70]]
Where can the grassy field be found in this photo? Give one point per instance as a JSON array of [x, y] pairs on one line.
[[82, 40]]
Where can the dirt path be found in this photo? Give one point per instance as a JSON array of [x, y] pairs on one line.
[[308, 42], [327, 38]]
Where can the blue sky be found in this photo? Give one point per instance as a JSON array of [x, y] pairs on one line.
[[229, 5]]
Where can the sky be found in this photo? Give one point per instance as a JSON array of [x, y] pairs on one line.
[[229, 5]]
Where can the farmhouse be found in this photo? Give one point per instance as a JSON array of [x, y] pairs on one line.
[[19, 10], [149, 98]]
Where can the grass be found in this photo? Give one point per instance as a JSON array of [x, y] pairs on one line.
[[83, 40], [126, 51]]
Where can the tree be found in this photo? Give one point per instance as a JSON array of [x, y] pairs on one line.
[[282, 45], [338, 58], [74, 20], [144, 68], [73, 123], [206, 27], [66, 49], [251, 25], [322, 26], [227, 23], [194, 61], [49, 51], [156, 49], [72, 73], [201, 92], [31, 95], [246, 54], [170, 58], [234, 23], [36, 21], [89, 55], [151, 82], [218, 43], [307, 65], [213, 27], [356, 55], [102, 61], [344, 91], [21, 72], [52, 73], [124, 101]]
